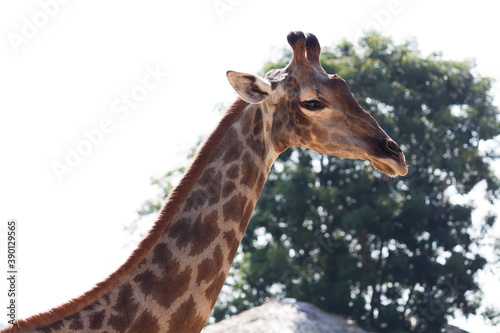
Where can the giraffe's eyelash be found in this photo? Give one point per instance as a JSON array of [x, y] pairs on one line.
[[312, 105]]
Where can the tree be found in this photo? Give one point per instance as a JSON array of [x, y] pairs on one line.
[[396, 255]]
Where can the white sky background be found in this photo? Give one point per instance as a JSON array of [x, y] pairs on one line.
[[72, 74]]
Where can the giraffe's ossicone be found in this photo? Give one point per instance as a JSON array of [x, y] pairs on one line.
[[171, 281]]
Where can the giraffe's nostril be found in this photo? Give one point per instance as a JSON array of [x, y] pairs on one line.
[[391, 147]]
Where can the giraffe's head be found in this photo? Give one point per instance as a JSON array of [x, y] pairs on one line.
[[316, 110]]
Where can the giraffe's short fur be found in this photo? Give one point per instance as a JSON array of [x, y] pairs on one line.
[[171, 282]]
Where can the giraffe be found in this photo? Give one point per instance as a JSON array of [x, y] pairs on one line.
[[171, 281]]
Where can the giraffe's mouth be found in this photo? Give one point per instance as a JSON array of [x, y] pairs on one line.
[[390, 166], [390, 159]]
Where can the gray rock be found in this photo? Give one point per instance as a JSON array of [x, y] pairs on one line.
[[454, 329], [290, 316], [285, 316]]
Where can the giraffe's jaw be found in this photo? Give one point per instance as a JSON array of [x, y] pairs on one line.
[[388, 157], [390, 165]]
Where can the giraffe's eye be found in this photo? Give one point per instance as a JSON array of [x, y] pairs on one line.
[[312, 105]]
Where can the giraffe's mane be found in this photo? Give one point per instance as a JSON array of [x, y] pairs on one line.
[[174, 200]]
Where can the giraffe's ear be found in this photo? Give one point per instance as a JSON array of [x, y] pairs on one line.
[[251, 88]]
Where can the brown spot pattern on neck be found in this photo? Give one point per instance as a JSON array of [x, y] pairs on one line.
[[52, 318]]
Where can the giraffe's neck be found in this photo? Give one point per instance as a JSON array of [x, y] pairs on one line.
[[174, 285]]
